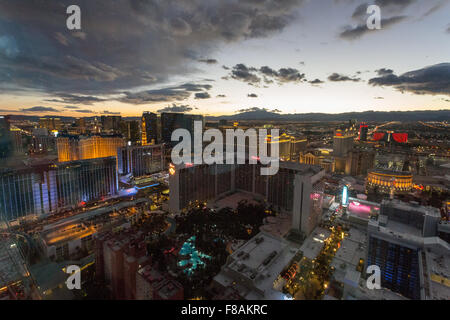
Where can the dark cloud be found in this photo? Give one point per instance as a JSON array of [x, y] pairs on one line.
[[176, 108], [243, 73], [336, 77], [71, 107], [316, 81], [202, 95], [254, 76], [289, 75], [352, 33], [252, 95], [429, 80], [208, 61], [123, 44], [384, 71], [221, 96], [75, 99], [39, 109], [110, 112], [83, 111], [176, 93]]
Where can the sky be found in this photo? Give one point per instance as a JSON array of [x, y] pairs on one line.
[[216, 57]]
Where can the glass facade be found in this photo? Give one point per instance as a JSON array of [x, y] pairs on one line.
[[399, 266]]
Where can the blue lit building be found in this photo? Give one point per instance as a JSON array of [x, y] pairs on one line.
[[43, 189], [400, 242]]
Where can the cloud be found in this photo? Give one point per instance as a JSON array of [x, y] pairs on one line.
[[352, 33], [39, 109], [147, 42], [254, 76], [169, 94], [110, 112], [221, 96], [243, 73], [432, 80], [252, 95], [208, 61], [384, 71], [71, 107], [379, 98], [84, 111], [336, 77], [75, 99], [176, 108], [202, 95], [316, 81]]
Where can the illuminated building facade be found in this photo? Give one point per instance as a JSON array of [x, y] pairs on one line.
[[47, 188], [50, 124], [387, 181], [290, 147], [319, 157], [72, 148], [363, 132], [149, 128], [68, 148], [140, 160], [390, 136], [343, 142], [296, 189], [403, 242]]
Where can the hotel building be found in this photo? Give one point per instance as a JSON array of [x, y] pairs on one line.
[[72, 148], [296, 189], [140, 160], [403, 242], [37, 190]]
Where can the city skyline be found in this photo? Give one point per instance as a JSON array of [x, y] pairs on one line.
[[223, 57]]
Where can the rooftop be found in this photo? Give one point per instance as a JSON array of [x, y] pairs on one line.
[[314, 243]]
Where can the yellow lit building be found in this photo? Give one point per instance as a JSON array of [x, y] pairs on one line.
[[387, 181], [81, 148]]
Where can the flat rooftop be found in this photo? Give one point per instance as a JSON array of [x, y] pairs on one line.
[[411, 206], [347, 257], [438, 264], [259, 261], [312, 246]]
